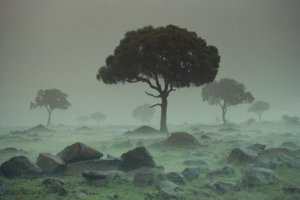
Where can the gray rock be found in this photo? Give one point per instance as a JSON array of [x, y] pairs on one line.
[[242, 156], [224, 186], [137, 158], [257, 147], [50, 164], [267, 165], [289, 161], [169, 190], [289, 145], [197, 162], [222, 171], [100, 175], [190, 173], [75, 169], [258, 176], [291, 189], [144, 178], [20, 166], [78, 152], [176, 178], [2, 190], [55, 185]]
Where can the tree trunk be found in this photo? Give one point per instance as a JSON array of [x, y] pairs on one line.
[[49, 118], [163, 116], [223, 115]]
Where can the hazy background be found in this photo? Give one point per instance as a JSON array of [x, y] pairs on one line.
[[61, 44]]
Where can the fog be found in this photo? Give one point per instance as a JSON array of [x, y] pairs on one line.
[[62, 44]]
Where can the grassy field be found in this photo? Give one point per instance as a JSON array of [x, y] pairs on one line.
[[111, 140]]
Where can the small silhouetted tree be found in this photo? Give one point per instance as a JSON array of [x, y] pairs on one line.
[[291, 120], [50, 99], [143, 112], [83, 118], [98, 116], [259, 107], [164, 58], [225, 93]]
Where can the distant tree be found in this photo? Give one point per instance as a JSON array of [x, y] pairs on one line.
[[225, 93], [164, 58], [259, 107], [83, 118], [291, 120], [143, 112], [98, 116], [51, 99]]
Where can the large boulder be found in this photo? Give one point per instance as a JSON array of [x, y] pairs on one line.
[[289, 161], [181, 140], [55, 185], [224, 186], [242, 156], [50, 164], [20, 166], [255, 176], [137, 158], [191, 173], [176, 178], [143, 130], [101, 175], [224, 170], [147, 176], [40, 128], [78, 152], [75, 169], [169, 191], [289, 145]]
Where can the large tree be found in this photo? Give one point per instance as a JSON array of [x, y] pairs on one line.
[[143, 112], [50, 99], [98, 116], [225, 93], [164, 58], [259, 107]]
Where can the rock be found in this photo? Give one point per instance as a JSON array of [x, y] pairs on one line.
[[101, 175], [75, 169], [257, 147], [271, 154], [228, 129], [83, 128], [289, 161], [2, 190], [40, 128], [242, 156], [205, 137], [20, 166], [55, 185], [144, 178], [224, 186], [223, 171], [78, 152], [176, 178], [10, 150], [267, 165], [144, 130], [181, 140], [196, 162], [137, 158], [289, 145], [50, 164], [190, 173], [291, 189], [258, 176], [157, 171], [169, 190]]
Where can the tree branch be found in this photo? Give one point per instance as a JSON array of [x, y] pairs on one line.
[[152, 95], [158, 104], [138, 78]]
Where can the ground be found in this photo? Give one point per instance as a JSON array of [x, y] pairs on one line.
[[111, 140]]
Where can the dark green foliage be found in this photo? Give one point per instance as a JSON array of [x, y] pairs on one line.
[[225, 93], [50, 99], [165, 58]]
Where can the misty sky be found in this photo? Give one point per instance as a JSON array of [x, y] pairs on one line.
[[62, 43]]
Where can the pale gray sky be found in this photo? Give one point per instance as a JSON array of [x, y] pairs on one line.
[[62, 43]]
